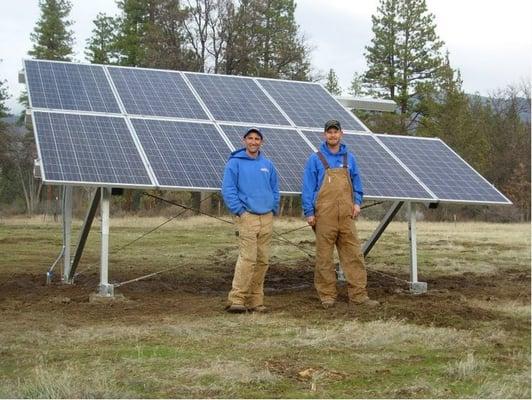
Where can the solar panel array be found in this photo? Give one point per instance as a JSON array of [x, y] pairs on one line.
[[131, 127]]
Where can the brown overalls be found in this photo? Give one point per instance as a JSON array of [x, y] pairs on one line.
[[335, 226]]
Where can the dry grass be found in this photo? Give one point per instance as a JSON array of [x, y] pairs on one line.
[[465, 368], [468, 337]]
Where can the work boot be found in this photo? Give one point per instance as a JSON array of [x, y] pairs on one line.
[[258, 309], [327, 304], [236, 308]]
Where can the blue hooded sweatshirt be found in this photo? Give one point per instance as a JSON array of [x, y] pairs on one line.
[[250, 184], [315, 172]]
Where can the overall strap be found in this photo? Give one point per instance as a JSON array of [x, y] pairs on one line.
[[323, 160], [344, 161]]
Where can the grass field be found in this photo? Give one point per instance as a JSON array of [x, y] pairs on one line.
[[468, 337]]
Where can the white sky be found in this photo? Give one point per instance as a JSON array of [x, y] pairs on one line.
[[489, 41]]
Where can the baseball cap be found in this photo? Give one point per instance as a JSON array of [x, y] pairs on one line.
[[250, 130], [332, 123]]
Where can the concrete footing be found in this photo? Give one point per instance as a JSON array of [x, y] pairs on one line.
[[418, 287]]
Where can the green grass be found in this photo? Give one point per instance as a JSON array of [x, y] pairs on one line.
[[469, 337]]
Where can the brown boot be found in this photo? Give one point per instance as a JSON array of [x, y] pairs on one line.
[[236, 308]]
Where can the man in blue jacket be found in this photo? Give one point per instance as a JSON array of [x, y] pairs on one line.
[[332, 195], [250, 189]]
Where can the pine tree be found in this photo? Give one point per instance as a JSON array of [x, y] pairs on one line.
[[101, 47], [404, 57], [263, 39], [332, 84], [356, 86], [4, 95], [52, 39]]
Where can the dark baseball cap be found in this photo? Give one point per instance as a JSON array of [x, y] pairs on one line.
[[332, 123], [250, 130]]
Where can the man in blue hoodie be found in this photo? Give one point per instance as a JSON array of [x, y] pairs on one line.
[[250, 189], [332, 195]]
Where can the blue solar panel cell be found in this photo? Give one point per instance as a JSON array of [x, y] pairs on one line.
[[382, 176], [441, 170], [88, 149], [236, 99], [284, 147], [64, 86], [309, 105], [157, 93], [183, 154]]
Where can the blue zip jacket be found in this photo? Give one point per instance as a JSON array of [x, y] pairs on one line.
[[315, 172], [250, 184]]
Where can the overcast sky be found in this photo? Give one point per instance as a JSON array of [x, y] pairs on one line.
[[489, 41]]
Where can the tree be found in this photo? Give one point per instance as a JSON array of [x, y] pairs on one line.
[[332, 84], [356, 86], [52, 40], [404, 57], [263, 39], [101, 47], [152, 34], [3, 134]]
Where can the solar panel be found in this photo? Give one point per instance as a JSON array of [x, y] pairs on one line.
[[382, 176], [157, 93], [66, 86], [284, 147], [309, 105], [183, 154], [442, 170], [236, 99], [88, 149]]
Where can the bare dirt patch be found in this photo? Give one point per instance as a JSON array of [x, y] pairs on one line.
[[289, 289]]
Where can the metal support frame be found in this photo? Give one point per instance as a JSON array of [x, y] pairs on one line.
[[85, 229], [67, 232], [416, 287], [394, 209], [105, 289]]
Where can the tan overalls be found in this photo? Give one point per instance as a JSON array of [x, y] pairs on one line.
[[335, 226], [254, 236]]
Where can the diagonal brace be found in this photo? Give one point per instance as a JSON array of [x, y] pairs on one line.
[[394, 209]]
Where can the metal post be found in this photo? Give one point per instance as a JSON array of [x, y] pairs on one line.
[[67, 232], [85, 229], [415, 286], [105, 288]]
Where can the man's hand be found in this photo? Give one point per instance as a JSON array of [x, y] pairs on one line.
[[311, 220], [356, 211]]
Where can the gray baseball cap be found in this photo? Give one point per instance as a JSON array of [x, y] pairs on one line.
[[332, 123]]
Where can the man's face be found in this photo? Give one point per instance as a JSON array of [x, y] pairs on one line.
[[252, 142], [333, 136]]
